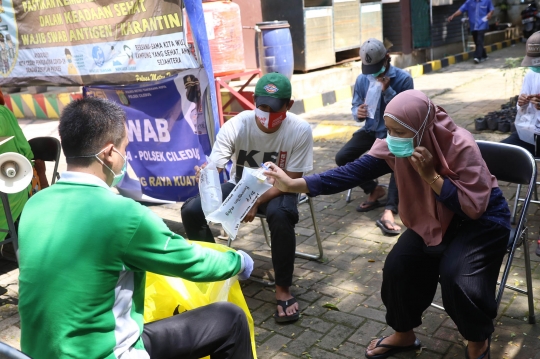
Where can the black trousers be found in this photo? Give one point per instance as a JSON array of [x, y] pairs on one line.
[[359, 144], [514, 139], [478, 37], [220, 330], [281, 215], [467, 270]]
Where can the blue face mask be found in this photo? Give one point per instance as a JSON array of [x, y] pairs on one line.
[[404, 146], [400, 147], [535, 68], [383, 69]]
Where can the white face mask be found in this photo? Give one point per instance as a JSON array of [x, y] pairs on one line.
[[270, 119]]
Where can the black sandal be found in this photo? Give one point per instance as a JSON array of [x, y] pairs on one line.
[[368, 206], [485, 355], [393, 349], [382, 224], [284, 304]]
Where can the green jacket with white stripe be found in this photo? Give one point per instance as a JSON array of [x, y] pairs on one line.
[[84, 252]]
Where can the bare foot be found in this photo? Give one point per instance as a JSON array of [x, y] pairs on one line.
[[477, 348], [401, 339], [388, 215], [284, 293], [377, 193]]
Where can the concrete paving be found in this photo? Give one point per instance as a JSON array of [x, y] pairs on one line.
[[355, 250]]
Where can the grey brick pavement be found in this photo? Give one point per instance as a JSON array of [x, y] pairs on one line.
[[350, 274]]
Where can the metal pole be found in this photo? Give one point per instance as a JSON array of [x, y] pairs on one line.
[[463, 35], [209, 115], [431, 28]]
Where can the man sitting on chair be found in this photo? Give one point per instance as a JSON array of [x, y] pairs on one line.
[[375, 67], [528, 105], [84, 253], [269, 133]]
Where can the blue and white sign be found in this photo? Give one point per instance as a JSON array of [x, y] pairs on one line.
[[167, 131]]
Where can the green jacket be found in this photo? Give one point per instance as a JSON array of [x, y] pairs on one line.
[[84, 252]]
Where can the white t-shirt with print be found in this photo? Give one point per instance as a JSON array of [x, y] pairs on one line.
[[243, 142]]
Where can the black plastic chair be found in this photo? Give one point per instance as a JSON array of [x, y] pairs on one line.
[[47, 149], [516, 165], [12, 236], [535, 199], [8, 352]]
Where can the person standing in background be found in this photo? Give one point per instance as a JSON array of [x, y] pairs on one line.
[[479, 12]]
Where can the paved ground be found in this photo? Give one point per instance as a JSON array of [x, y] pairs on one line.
[[350, 274]]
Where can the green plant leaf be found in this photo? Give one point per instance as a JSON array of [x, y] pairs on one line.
[[330, 306]]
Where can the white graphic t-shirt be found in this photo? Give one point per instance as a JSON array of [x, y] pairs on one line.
[[240, 140]]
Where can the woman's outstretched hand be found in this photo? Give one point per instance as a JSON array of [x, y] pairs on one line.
[[422, 162], [278, 178]]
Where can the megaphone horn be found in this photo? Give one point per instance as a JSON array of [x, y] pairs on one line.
[[9, 169], [15, 172]]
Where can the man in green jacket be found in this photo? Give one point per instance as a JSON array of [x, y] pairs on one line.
[[84, 252]]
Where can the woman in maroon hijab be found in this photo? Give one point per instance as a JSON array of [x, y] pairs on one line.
[[457, 218]]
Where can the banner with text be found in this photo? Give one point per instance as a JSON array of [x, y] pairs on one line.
[[167, 131], [76, 42]]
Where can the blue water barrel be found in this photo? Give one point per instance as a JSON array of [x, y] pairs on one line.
[[274, 45]]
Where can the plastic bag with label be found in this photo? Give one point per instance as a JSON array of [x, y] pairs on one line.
[[234, 208], [373, 96], [210, 188], [165, 296], [526, 124]]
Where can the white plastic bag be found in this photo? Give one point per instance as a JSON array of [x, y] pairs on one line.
[[210, 188], [240, 200], [373, 96], [526, 124]]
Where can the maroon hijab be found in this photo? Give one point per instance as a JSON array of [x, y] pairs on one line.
[[456, 157]]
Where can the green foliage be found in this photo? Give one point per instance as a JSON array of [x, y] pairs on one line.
[[330, 306], [513, 62], [512, 67]]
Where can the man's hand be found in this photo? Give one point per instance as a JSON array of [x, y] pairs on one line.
[[385, 81], [250, 216], [198, 171], [248, 266], [523, 100], [535, 100], [450, 18], [361, 113]]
